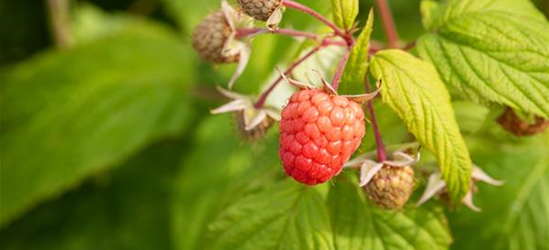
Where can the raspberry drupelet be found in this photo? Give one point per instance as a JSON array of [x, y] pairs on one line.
[[318, 134]]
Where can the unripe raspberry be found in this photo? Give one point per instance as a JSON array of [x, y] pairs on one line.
[[259, 9], [210, 37], [510, 121], [255, 133], [391, 187], [318, 134]]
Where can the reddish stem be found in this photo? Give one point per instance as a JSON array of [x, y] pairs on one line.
[[309, 11], [388, 22], [381, 151], [341, 68], [287, 32], [261, 101]]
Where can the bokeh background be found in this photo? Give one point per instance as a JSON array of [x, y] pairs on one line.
[[107, 141]]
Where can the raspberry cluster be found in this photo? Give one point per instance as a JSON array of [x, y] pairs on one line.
[[391, 187], [259, 9], [210, 36], [318, 134]]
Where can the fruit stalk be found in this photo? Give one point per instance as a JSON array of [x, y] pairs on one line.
[[287, 32], [381, 151], [59, 18], [341, 68], [388, 22], [297, 6], [261, 101]]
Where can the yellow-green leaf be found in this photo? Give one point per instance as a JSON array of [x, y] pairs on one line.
[[413, 89], [352, 81], [345, 12]]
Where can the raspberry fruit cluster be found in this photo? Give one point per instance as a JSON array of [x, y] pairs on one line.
[[318, 133], [259, 9], [210, 37], [391, 187]]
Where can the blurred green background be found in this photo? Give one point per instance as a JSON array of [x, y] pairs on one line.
[[107, 141]]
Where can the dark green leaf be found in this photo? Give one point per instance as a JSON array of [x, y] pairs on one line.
[[126, 209], [79, 112], [285, 215], [514, 216], [359, 225]]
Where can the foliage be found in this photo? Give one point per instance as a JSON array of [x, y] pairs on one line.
[[109, 144]]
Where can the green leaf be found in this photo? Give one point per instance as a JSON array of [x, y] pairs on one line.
[[345, 13], [430, 13], [127, 208], [357, 224], [79, 112], [352, 81], [412, 88], [492, 51], [193, 211], [514, 216], [284, 215]]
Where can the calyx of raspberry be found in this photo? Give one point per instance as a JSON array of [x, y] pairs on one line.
[[251, 121], [269, 11], [215, 39], [369, 167], [436, 185], [390, 183]]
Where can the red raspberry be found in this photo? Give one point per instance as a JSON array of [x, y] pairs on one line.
[[318, 134]]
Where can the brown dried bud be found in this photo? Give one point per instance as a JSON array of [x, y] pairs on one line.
[[259, 9], [256, 133], [512, 123], [210, 37], [391, 187]]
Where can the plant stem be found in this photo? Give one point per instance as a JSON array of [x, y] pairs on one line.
[[287, 32], [341, 68], [60, 22], [261, 101], [409, 46], [309, 11], [388, 22], [381, 152]]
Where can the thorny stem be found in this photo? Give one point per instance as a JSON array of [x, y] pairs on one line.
[[381, 152], [59, 22], [388, 22], [261, 101], [375, 46], [341, 68], [287, 32], [300, 7]]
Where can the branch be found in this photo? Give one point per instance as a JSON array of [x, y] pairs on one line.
[[388, 22], [381, 151], [261, 101], [59, 22], [341, 68], [309, 11]]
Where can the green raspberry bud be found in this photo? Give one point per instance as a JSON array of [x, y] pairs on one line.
[[391, 187]]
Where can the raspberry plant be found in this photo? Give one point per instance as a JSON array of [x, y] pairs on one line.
[[320, 129], [276, 124]]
